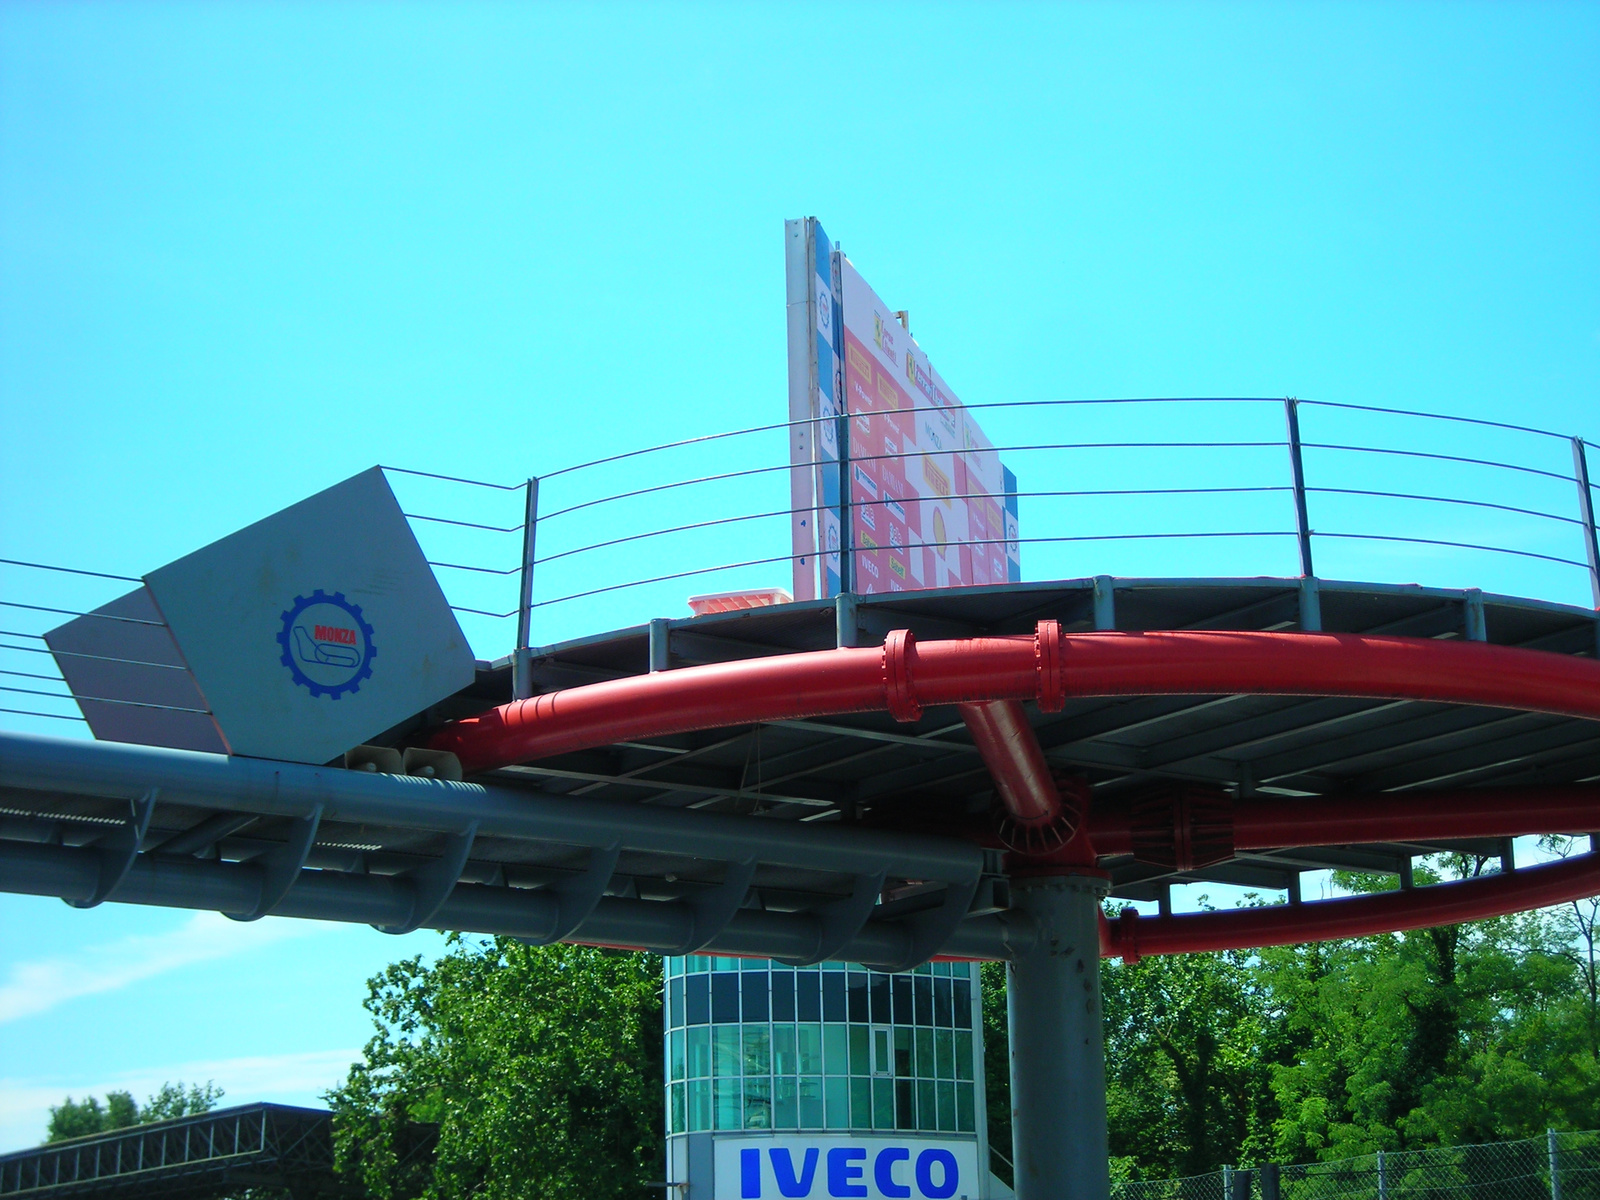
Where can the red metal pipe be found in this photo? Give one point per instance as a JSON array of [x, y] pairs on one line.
[[904, 676], [1339, 820], [1011, 750], [1132, 936]]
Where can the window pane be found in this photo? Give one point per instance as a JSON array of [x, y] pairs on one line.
[[963, 1054], [963, 1003], [675, 1003], [808, 995], [883, 1103], [903, 1011], [697, 999], [724, 997], [927, 1107], [754, 964], [947, 1105], [856, 988], [785, 1105], [670, 965], [944, 1053], [783, 995], [724, 964], [905, 1112], [811, 1102], [964, 1121], [758, 1104], [925, 1053], [675, 1117], [675, 1053], [902, 1056], [878, 987], [698, 964], [944, 968], [924, 990], [783, 1057], [699, 1038], [882, 1060], [810, 1047], [699, 1104], [838, 1090], [757, 1052], [728, 1114], [861, 1104], [941, 1002], [860, 1053], [833, 1006], [836, 1049], [754, 986], [726, 1053]]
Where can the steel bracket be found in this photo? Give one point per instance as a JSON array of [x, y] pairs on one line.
[[280, 868], [932, 929], [119, 848], [713, 909], [579, 896], [840, 922], [432, 883]]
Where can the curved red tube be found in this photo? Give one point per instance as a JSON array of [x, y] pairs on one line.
[[1011, 750], [1341, 820], [904, 676], [1132, 936]]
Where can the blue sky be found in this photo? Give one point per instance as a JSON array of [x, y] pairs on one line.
[[247, 251]]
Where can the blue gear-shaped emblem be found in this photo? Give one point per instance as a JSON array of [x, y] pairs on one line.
[[327, 644]]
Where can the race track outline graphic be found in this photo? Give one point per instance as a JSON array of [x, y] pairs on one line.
[[327, 644]]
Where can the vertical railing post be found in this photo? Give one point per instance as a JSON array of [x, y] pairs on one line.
[[1591, 546], [522, 660], [1291, 409], [1555, 1164], [1383, 1178]]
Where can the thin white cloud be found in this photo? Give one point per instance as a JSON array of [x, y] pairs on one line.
[[38, 986], [285, 1078]]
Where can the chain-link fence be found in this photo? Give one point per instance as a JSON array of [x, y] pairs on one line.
[[1559, 1166]]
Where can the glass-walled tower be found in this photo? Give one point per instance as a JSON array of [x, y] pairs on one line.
[[757, 1048]]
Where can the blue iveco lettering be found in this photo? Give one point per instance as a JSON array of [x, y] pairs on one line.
[[844, 1169]]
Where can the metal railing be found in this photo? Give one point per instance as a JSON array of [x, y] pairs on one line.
[[1558, 1166], [1149, 487], [1211, 486]]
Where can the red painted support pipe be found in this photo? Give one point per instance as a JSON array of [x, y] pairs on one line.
[[904, 677], [1339, 820], [1132, 936], [1012, 753]]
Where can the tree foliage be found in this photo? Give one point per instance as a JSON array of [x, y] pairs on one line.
[[541, 1067], [79, 1118]]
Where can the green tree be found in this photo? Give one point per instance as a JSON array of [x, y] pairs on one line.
[[174, 1100], [1460, 1033], [541, 1067], [79, 1118]]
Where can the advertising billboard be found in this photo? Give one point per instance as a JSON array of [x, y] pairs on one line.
[[815, 450], [894, 485]]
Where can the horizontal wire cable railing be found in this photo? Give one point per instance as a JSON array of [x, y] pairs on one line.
[[1203, 489]]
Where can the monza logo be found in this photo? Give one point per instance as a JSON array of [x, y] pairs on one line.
[[327, 644]]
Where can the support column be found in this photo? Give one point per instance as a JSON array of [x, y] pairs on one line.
[[1058, 1061]]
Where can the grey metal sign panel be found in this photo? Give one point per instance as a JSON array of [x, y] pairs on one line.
[[317, 628], [128, 678]]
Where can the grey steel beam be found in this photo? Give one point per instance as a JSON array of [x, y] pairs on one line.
[[211, 781], [73, 874]]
